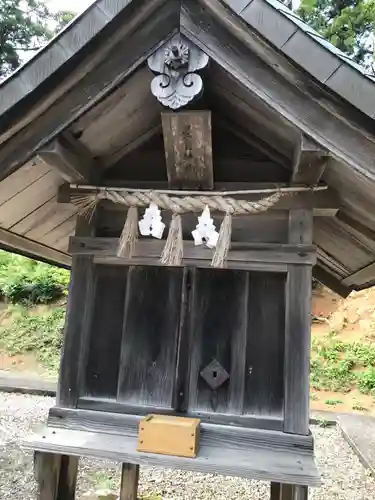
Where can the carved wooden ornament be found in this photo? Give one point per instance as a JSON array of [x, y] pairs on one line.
[[177, 84]]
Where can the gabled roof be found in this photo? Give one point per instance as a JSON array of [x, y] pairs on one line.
[[269, 72], [297, 40]]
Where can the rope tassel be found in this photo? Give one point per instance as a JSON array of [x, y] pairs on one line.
[[223, 242], [172, 254], [129, 235]]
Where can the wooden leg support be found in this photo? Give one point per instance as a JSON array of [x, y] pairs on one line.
[[129, 482], [288, 492], [56, 476]]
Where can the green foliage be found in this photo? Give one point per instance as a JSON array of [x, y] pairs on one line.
[[40, 334], [366, 380], [347, 24], [338, 366], [26, 25], [25, 280], [333, 402]]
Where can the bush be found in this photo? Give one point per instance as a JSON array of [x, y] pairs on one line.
[[366, 380], [27, 281]]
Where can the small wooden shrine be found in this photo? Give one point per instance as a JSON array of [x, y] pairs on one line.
[[195, 163]]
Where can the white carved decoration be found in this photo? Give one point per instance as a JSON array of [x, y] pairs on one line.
[[205, 230], [151, 223], [177, 62]]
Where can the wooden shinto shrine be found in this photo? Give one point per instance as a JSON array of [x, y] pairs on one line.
[[139, 118]]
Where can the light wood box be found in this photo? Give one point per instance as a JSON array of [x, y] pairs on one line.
[[168, 435]]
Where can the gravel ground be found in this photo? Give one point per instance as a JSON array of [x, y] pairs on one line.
[[344, 478]]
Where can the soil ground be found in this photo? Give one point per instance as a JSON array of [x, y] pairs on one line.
[[353, 319]]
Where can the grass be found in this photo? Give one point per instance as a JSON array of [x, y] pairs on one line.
[[333, 402], [340, 366]]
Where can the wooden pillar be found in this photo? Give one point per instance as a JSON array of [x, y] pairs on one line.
[[297, 346], [56, 476], [288, 492], [129, 482], [77, 315], [298, 330]]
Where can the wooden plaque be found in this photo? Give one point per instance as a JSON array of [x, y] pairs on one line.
[[168, 435]]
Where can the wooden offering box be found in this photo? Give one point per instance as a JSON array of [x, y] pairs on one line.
[[169, 435]]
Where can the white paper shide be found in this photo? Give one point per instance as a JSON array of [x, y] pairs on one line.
[[151, 223], [205, 231]]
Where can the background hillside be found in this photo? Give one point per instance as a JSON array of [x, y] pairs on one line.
[[32, 310]]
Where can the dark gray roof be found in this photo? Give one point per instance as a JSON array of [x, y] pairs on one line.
[[284, 29], [63, 47], [271, 18]]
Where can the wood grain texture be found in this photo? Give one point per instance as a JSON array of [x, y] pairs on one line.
[[211, 433], [31, 198], [80, 302], [364, 276], [271, 227], [129, 482], [68, 478], [297, 332], [93, 76], [310, 161], [20, 180], [254, 422], [59, 233], [262, 71], [44, 219], [326, 278], [260, 462], [56, 475], [105, 330], [29, 248], [264, 387], [240, 255], [150, 336], [47, 472], [188, 149], [347, 250], [69, 157], [217, 332]]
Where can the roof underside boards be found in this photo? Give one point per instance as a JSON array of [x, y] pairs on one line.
[[28, 209], [92, 81]]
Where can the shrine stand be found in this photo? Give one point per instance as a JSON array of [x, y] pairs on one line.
[[182, 157]]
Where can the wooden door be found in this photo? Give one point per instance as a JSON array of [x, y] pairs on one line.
[[187, 340]]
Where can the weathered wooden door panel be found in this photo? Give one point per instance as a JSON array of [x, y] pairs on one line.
[[217, 337], [150, 336], [265, 344], [105, 329]]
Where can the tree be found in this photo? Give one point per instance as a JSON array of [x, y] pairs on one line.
[[347, 24], [25, 26]]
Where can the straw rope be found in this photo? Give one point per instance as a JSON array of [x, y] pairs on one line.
[[178, 205]]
